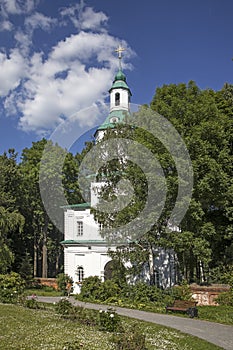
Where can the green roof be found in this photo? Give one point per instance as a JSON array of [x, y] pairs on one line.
[[120, 75], [119, 114], [120, 84], [79, 206], [120, 81], [88, 242]]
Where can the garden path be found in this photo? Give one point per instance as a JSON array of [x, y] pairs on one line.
[[216, 333]]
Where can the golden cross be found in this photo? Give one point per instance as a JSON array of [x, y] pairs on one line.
[[119, 50]]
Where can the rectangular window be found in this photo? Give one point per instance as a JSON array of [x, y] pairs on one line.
[[80, 228]]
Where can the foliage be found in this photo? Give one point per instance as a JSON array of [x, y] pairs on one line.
[[64, 307], [222, 274], [11, 220], [90, 288], [106, 290], [203, 239], [203, 244], [65, 283], [182, 292], [26, 270], [32, 303], [225, 298], [220, 314], [131, 339], [109, 321], [43, 291], [11, 287], [44, 167], [67, 310]]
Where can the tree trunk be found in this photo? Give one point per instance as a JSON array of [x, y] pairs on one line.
[[151, 266], [57, 263], [202, 276], [35, 255], [45, 250]]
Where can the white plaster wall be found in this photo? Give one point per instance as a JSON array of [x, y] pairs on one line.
[[92, 260], [124, 99], [90, 226]]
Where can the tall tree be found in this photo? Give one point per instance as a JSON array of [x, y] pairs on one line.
[[204, 119], [11, 221], [50, 175]]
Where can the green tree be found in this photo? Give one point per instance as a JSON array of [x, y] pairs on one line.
[[11, 220], [204, 119], [48, 171]]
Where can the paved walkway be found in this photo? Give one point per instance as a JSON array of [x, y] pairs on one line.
[[216, 333]]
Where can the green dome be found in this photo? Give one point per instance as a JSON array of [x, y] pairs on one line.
[[120, 81], [120, 76]]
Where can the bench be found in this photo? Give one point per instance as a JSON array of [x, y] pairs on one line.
[[184, 306]]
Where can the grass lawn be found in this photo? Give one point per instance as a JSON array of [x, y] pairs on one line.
[[43, 292], [221, 314], [22, 328]]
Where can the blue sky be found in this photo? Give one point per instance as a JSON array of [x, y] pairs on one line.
[[57, 57]]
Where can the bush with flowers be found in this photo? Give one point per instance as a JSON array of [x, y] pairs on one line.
[[109, 321], [11, 288]]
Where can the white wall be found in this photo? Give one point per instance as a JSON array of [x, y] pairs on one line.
[[124, 99]]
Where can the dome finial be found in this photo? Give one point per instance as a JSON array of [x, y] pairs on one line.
[[119, 50]]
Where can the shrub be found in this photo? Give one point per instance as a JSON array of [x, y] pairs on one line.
[[77, 313], [132, 339], [143, 293], [31, 303], [65, 284], [182, 292], [225, 298], [64, 307], [109, 321], [11, 287], [106, 290], [90, 288]]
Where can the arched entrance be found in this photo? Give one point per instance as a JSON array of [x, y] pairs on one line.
[[108, 270]]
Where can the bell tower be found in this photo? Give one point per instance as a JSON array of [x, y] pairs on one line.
[[120, 95], [120, 92]]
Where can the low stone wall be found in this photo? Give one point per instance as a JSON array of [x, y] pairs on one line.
[[49, 282], [206, 295]]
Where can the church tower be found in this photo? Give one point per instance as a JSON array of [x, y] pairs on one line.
[[120, 96]]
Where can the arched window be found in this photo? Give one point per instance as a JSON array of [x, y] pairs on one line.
[[80, 273], [117, 99]]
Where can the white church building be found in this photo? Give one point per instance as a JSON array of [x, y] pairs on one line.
[[85, 251]]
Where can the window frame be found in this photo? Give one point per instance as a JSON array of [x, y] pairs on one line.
[[80, 273], [79, 228]]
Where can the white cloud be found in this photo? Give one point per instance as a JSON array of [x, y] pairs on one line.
[[85, 18], [6, 25], [92, 20], [62, 84], [13, 68], [44, 89], [38, 20], [17, 7]]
